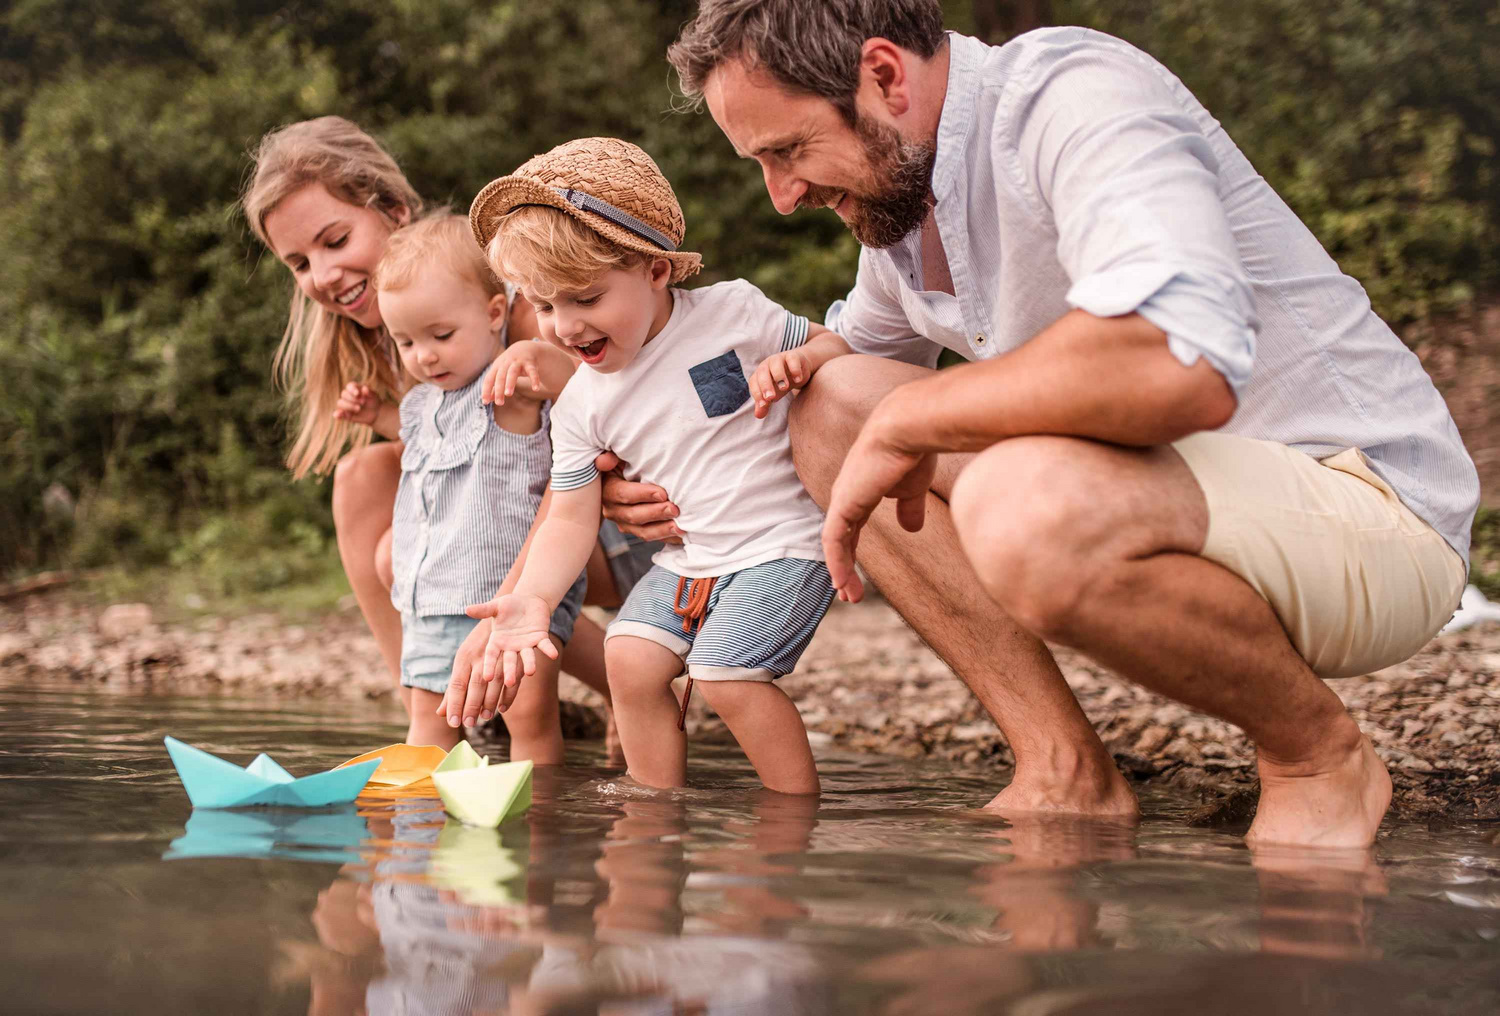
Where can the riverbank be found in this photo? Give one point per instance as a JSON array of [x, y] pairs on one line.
[[866, 683]]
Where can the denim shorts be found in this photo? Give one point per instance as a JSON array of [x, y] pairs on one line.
[[629, 556], [429, 644], [759, 620]]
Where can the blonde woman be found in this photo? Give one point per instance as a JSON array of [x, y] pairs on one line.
[[323, 197]]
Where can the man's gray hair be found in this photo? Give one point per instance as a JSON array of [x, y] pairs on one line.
[[811, 46]]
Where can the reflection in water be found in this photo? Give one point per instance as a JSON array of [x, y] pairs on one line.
[[885, 896]]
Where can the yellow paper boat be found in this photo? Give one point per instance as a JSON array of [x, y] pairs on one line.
[[478, 793], [401, 765], [474, 865]]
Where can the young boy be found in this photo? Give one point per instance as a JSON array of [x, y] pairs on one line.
[[590, 232], [472, 475]]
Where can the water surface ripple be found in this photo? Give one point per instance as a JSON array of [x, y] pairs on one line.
[[890, 895]]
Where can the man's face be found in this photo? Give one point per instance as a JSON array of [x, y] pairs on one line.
[[875, 180]]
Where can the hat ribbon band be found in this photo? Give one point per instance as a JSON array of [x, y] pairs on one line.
[[589, 203]]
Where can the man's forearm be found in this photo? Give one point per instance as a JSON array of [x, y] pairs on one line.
[[1110, 379]]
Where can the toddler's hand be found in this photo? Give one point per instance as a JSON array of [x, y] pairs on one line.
[[357, 404], [518, 628], [523, 359], [778, 375]]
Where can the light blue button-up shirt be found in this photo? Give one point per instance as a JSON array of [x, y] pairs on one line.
[[1074, 171]]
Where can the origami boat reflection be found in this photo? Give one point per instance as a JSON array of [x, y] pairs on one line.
[[478, 793], [333, 836], [211, 782], [475, 867]]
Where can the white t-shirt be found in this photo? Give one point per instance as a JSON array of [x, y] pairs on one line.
[[680, 416]]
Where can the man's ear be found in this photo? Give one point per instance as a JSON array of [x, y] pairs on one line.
[[497, 308], [883, 77], [661, 273]]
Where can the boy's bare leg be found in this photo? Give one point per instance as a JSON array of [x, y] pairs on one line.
[[1118, 577], [532, 719], [364, 496], [770, 731], [427, 727], [1061, 765], [640, 678]]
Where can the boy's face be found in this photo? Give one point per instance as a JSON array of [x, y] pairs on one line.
[[446, 328], [606, 324]]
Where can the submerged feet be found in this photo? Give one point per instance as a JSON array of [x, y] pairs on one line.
[[1333, 802]]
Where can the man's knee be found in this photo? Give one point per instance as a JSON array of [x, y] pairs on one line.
[[1018, 512], [827, 415]]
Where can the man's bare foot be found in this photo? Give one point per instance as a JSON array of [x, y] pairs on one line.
[[1101, 792], [1334, 803]]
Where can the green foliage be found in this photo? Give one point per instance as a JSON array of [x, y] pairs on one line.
[[138, 318]]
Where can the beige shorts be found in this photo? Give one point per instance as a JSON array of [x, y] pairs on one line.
[[1358, 581]]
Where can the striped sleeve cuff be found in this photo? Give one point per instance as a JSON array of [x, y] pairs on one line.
[[794, 333], [574, 478]]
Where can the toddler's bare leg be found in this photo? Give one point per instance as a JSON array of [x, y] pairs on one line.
[[535, 730], [427, 727], [640, 680], [768, 727]]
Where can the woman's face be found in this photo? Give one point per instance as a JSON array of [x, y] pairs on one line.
[[331, 248]]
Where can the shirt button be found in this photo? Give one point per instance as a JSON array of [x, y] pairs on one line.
[[979, 339]]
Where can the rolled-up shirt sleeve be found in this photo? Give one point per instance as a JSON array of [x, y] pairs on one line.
[[1105, 147], [872, 320]]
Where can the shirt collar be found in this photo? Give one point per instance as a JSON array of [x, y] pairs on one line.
[[957, 118]]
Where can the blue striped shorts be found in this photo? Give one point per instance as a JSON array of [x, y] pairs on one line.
[[758, 623]]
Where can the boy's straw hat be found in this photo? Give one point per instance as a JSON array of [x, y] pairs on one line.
[[607, 184]]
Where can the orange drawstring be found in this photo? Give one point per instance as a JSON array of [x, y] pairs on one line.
[[692, 612]]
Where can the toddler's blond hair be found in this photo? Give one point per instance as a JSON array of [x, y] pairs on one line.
[[442, 240], [549, 252]]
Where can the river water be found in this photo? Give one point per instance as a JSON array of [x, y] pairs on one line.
[[890, 895]]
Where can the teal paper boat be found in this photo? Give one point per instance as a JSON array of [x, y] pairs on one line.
[[211, 782], [332, 836], [479, 794]]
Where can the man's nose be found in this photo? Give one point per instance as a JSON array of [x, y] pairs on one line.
[[785, 189]]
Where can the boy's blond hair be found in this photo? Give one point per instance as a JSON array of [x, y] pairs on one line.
[[549, 252], [439, 240], [322, 351]]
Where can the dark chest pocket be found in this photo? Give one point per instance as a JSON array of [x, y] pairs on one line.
[[720, 384]]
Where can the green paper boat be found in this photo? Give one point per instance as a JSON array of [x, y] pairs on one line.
[[473, 865], [478, 793]]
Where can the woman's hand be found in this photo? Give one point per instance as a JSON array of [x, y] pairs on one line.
[[640, 509]]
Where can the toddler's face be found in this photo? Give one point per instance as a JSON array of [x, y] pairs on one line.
[[606, 324], [446, 328], [331, 248]]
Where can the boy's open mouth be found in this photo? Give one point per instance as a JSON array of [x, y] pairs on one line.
[[593, 352]]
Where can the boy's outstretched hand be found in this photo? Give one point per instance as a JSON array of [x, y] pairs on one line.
[[778, 375], [518, 628]]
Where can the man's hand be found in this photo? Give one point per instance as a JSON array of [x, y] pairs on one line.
[[640, 509], [518, 627], [778, 375], [876, 467], [357, 404]]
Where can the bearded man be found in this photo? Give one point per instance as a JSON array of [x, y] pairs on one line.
[[1186, 445]]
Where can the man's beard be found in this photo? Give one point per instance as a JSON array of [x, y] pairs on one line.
[[901, 179]]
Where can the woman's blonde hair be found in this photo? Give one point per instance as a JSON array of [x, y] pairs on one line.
[[322, 351], [549, 252]]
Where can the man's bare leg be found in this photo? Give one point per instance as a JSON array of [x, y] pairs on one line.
[[1061, 765], [1095, 546]]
